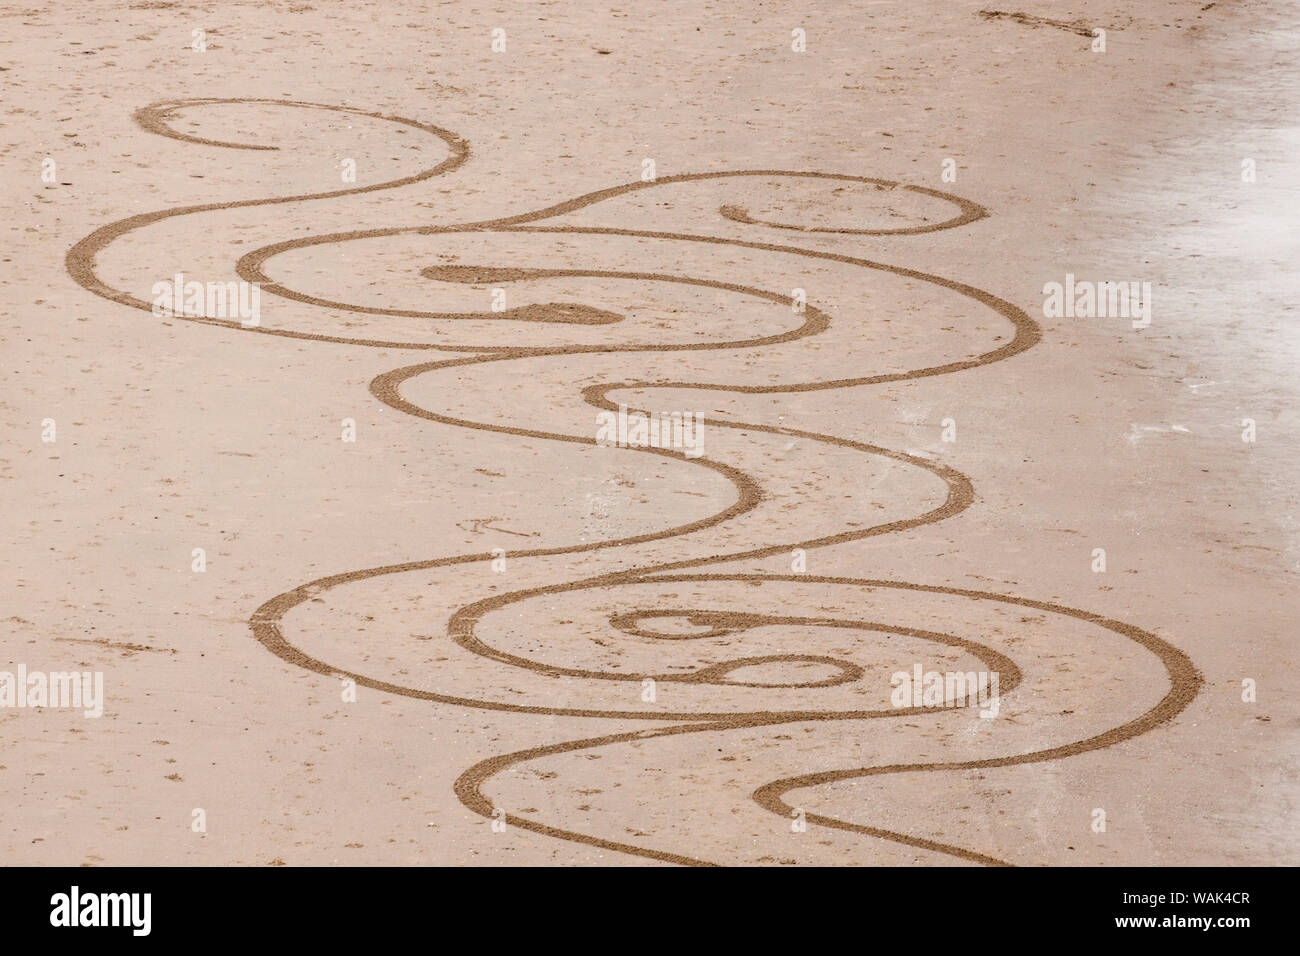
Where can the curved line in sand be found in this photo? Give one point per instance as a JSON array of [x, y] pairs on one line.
[[82, 259], [265, 622]]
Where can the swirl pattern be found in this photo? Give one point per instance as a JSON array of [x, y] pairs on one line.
[[731, 650]]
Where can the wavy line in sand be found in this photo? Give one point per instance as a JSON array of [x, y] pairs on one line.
[[266, 622]]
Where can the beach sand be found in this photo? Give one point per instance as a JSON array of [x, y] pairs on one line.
[[437, 623]]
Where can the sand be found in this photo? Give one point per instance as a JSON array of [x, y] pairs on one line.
[[439, 621]]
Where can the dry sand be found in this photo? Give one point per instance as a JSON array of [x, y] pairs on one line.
[[358, 677]]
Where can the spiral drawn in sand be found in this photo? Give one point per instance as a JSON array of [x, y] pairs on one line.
[[734, 652]]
